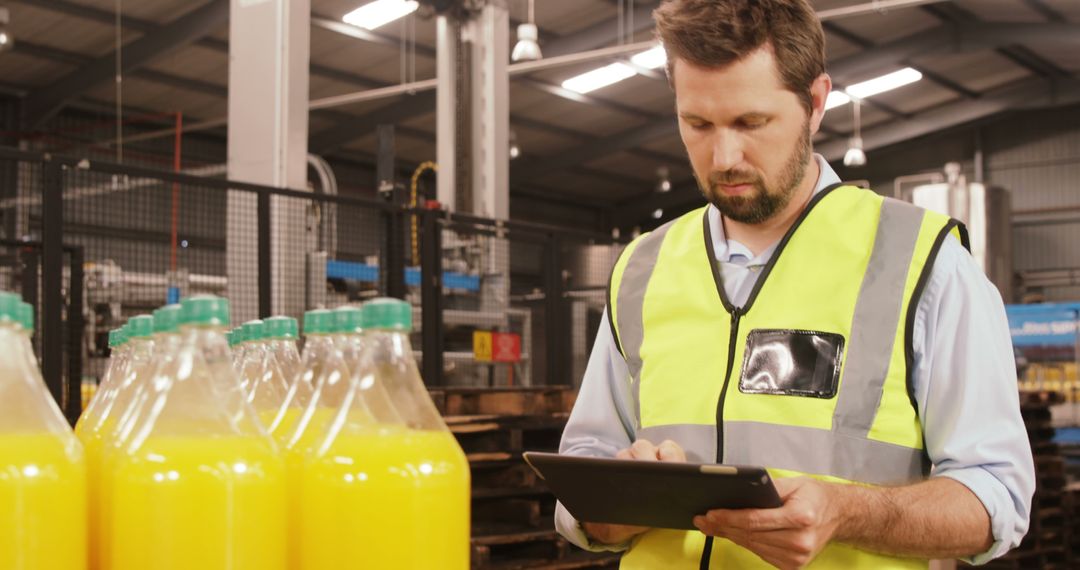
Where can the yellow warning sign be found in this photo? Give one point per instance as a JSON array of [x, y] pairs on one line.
[[482, 346]]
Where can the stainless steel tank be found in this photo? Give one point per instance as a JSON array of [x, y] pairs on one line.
[[986, 211]]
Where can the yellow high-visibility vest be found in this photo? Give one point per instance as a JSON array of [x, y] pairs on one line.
[[811, 376]]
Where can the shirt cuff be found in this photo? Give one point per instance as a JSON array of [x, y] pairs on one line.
[[1004, 523], [571, 530]]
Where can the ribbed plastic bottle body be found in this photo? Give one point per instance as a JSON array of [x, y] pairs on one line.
[[385, 468], [198, 483], [42, 468]]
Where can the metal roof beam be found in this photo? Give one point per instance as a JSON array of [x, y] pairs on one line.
[[581, 154], [601, 34], [1026, 94], [45, 102], [358, 126], [864, 43], [950, 38]]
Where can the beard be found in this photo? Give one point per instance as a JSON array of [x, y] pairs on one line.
[[763, 201]]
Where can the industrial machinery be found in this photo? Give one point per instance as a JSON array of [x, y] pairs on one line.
[[985, 210]]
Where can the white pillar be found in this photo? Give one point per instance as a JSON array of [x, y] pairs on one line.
[[269, 48], [446, 110], [491, 112]]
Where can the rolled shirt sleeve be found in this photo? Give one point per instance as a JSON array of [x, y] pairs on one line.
[[600, 424], [966, 391]]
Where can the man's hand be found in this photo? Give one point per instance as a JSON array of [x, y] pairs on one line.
[[788, 537], [642, 450]]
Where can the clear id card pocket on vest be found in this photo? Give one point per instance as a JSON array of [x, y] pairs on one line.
[[792, 363]]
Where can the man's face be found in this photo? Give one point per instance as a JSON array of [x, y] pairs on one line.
[[747, 136]]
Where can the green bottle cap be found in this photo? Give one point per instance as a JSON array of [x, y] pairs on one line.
[[387, 313], [9, 307], [348, 319], [141, 326], [238, 335], [204, 310], [280, 328], [116, 337], [229, 338], [167, 319], [26, 316], [319, 321], [253, 330]]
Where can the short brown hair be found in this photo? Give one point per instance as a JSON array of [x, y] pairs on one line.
[[716, 33]]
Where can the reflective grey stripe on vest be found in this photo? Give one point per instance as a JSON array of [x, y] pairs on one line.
[[698, 441], [877, 318], [631, 300], [806, 450], [822, 452]]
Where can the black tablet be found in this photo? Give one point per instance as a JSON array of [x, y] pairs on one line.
[[650, 493]]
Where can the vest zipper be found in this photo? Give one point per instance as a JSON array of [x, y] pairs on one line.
[[736, 313], [734, 336]]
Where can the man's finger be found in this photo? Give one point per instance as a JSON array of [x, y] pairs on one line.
[[753, 519], [643, 450], [670, 451], [787, 486], [624, 454]]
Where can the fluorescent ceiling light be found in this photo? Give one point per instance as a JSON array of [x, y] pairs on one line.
[[379, 13], [652, 59], [884, 83], [598, 78], [836, 99]]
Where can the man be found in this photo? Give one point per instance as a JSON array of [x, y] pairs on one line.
[[846, 342]]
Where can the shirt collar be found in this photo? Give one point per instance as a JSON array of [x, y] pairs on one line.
[[731, 251]]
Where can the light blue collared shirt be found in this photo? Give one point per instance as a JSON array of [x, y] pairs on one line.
[[964, 381]]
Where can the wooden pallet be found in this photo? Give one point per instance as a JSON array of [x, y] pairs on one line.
[[512, 509], [1040, 398], [535, 401]]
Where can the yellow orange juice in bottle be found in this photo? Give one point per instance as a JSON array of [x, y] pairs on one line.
[[386, 470], [198, 483], [43, 514]]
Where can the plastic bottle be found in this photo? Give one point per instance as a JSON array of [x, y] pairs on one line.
[[326, 372], [262, 377], [279, 341], [404, 483], [127, 408], [95, 425], [117, 359], [198, 484], [251, 359], [280, 336], [238, 347], [42, 466]]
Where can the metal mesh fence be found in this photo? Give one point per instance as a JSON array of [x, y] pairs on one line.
[[496, 303]]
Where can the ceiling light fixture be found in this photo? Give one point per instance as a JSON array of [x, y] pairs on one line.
[[380, 12], [836, 99], [528, 47], [654, 58], [855, 156], [599, 78], [515, 150], [872, 87], [665, 179], [7, 41], [886, 82]]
